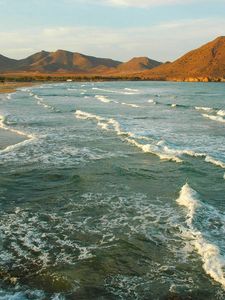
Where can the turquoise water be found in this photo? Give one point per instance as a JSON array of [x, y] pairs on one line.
[[117, 192]]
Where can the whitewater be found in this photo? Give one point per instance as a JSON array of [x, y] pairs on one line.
[[115, 191]]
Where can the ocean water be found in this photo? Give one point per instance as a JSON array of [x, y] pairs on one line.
[[118, 191]]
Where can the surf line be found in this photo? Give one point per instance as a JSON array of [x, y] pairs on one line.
[[5, 126], [110, 124], [213, 262]]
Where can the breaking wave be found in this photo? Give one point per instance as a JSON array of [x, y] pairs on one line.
[[214, 118], [213, 261], [113, 125], [40, 101]]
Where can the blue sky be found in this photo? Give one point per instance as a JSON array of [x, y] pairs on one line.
[[120, 29]]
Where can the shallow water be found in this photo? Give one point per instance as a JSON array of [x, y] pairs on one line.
[[117, 192]]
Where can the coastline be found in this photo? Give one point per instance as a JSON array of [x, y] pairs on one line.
[[11, 87], [11, 82], [8, 137]]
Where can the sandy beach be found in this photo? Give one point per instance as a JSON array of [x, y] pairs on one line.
[[10, 87]]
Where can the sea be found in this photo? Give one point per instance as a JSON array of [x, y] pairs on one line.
[[116, 190]]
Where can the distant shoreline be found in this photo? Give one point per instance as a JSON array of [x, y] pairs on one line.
[[9, 84]]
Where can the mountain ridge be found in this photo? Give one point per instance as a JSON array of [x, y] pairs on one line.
[[65, 61], [206, 63]]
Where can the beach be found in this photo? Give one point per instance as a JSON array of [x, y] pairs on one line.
[[9, 137]]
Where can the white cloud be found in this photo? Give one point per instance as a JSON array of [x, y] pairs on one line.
[[165, 41]]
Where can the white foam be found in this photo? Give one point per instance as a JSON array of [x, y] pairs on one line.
[[221, 113], [40, 101], [112, 124], [8, 97], [102, 99], [215, 162], [84, 115], [148, 148], [131, 90], [214, 118], [151, 101], [3, 120], [213, 262], [208, 109], [131, 105], [180, 152], [188, 198], [104, 90], [174, 105], [126, 92], [129, 93]]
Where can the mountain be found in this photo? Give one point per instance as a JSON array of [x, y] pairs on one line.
[[138, 64], [203, 64], [6, 62], [60, 61], [206, 63]]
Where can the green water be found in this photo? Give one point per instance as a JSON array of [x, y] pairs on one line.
[[88, 201]]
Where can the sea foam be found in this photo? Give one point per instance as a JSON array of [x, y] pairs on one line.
[[102, 99], [208, 109], [4, 125], [213, 262], [221, 113], [111, 124], [214, 118]]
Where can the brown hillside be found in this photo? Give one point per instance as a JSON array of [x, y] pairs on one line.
[[59, 61], [138, 64], [206, 62]]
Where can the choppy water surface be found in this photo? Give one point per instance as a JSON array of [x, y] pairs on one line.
[[117, 192]]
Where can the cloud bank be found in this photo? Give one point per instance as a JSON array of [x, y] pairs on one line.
[[165, 41]]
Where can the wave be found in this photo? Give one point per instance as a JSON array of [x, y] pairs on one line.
[[221, 113], [112, 124], [4, 125], [213, 262], [131, 105], [215, 162], [71, 89], [160, 148], [104, 90], [103, 99], [180, 152], [131, 90], [40, 101], [125, 92], [149, 148], [208, 109], [214, 118]]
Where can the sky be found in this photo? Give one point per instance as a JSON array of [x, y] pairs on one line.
[[120, 29]]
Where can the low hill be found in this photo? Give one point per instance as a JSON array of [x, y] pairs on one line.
[[138, 64]]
